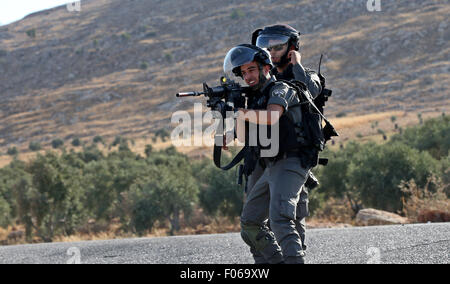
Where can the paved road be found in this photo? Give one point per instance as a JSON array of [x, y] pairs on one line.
[[418, 243]]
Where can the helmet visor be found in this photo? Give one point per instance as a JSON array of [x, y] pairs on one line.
[[234, 59], [237, 57], [273, 40]]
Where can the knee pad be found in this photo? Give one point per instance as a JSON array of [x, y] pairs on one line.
[[256, 237]]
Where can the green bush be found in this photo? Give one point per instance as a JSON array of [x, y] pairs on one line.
[[168, 190], [148, 150], [163, 134], [31, 33], [335, 178], [98, 139], [341, 114], [5, 213], [34, 146], [168, 56], [91, 153], [118, 141], [12, 151], [57, 143], [378, 170], [220, 193], [433, 136], [76, 142], [49, 196], [143, 65], [9, 178]]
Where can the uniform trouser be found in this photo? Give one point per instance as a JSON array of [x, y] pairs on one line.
[[300, 220], [275, 192]]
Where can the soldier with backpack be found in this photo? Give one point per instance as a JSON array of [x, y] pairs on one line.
[[283, 43]]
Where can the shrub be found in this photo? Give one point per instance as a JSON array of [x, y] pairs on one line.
[[31, 33], [341, 114], [433, 137], [168, 56], [220, 193], [423, 204], [163, 134], [12, 151], [377, 171], [57, 143], [34, 146], [54, 193], [119, 141], [143, 65], [98, 139], [167, 190], [76, 142], [148, 149]]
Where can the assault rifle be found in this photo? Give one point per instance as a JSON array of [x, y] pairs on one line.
[[229, 96]]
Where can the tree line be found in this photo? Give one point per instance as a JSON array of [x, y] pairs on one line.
[[376, 175], [57, 194]]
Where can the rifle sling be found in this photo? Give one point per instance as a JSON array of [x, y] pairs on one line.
[[217, 155]]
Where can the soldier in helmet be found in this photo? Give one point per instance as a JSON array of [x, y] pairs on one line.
[[283, 43], [275, 190]]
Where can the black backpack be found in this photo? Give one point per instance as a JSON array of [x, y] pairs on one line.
[[315, 133]]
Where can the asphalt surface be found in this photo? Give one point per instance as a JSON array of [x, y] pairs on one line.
[[417, 243]]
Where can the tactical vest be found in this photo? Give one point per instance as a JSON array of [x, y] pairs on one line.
[[294, 135]]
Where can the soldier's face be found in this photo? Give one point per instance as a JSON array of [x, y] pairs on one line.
[[250, 73], [277, 50]]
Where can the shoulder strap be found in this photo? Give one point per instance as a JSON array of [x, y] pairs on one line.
[[300, 86]]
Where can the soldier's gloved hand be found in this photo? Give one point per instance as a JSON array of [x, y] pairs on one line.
[[295, 57]]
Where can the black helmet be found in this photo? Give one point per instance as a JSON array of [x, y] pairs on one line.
[[274, 35], [243, 54]]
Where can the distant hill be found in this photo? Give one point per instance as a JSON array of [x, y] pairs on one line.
[[113, 68]]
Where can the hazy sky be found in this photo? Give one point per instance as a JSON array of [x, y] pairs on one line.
[[13, 10]]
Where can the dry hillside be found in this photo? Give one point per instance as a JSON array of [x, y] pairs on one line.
[[113, 68]]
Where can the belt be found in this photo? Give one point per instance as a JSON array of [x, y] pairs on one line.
[[288, 154]]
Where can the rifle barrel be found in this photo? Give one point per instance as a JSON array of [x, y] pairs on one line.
[[189, 94]]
